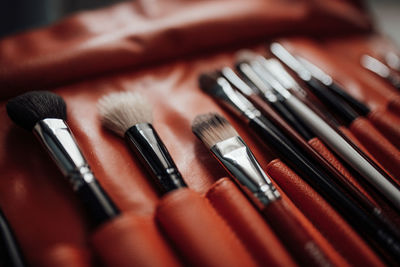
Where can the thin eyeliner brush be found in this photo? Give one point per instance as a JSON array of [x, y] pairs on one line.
[[344, 110], [275, 100], [333, 86], [375, 66], [220, 89]]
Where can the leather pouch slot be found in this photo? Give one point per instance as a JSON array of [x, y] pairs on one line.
[[248, 224], [381, 148], [198, 232], [131, 240], [389, 126], [330, 157], [333, 227]]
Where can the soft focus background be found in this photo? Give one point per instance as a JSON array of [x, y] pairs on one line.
[[20, 15]]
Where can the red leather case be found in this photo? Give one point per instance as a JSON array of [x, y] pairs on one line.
[[159, 48]]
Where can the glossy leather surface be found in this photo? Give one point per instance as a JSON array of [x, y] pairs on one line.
[[157, 48]]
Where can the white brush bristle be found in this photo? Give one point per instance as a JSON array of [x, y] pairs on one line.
[[212, 128], [122, 110], [245, 55]]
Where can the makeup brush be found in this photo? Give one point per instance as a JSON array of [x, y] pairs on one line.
[[10, 253], [374, 65], [130, 116], [232, 152], [44, 113], [220, 89], [258, 77]]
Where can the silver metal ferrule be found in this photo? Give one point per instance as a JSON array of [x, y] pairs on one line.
[[59, 142], [240, 162], [234, 100]]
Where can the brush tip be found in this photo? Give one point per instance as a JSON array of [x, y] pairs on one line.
[[122, 110], [212, 128], [28, 109]]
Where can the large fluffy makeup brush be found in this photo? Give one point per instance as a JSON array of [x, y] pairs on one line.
[[129, 115], [44, 113], [232, 152]]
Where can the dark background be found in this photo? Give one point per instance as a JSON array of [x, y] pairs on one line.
[[20, 15]]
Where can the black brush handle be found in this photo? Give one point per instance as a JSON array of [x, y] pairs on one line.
[[280, 107], [345, 111], [10, 253], [358, 105], [148, 146], [97, 203], [295, 159]]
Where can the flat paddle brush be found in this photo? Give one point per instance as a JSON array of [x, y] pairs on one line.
[[129, 115], [233, 153], [44, 113]]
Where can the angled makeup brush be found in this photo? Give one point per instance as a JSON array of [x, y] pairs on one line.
[[130, 116], [44, 113], [10, 253], [220, 89], [374, 65], [232, 152]]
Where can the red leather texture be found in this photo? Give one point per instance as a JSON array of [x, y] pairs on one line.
[[384, 151], [248, 224], [65, 256], [131, 240], [323, 216], [159, 48], [328, 155], [388, 124], [198, 232]]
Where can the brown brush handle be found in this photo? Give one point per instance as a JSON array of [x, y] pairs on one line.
[[296, 238]]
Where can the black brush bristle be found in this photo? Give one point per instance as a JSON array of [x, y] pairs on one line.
[[27, 109]]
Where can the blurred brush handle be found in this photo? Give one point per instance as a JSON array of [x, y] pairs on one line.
[[358, 105], [345, 150], [344, 110], [298, 241], [343, 202], [10, 253]]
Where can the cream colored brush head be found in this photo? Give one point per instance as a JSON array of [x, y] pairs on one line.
[[122, 110], [212, 128]]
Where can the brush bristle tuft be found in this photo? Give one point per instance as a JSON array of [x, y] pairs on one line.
[[120, 111], [27, 109], [212, 128]]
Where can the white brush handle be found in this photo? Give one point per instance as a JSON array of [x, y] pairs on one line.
[[338, 144]]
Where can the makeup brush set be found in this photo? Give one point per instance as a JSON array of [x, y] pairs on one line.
[[172, 134], [291, 106]]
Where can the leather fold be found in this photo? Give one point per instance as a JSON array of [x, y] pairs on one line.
[[200, 235], [131, 240], [138, 33], [344, 239]]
